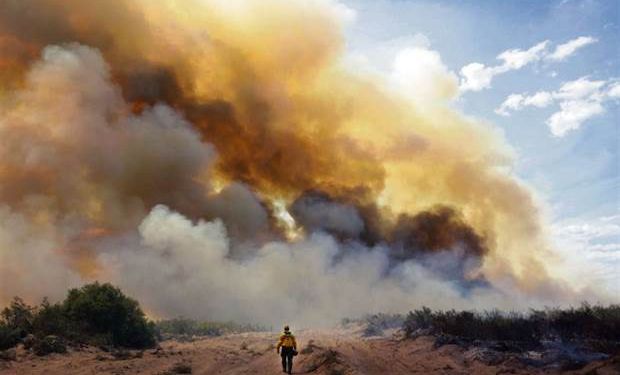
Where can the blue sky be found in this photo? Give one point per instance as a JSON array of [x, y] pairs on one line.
[[572, 164]]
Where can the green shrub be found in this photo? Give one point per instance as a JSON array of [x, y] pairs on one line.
[[50, 319], [49, 344], [103, 310], [99, 314], [178, 326], [189, 327], [18, 316], [9, 337]]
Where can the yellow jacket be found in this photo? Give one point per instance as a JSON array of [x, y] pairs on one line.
[[287, 340]]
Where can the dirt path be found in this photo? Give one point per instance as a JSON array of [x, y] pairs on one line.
[[329, 352]]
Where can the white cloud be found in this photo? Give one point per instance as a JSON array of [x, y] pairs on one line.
[[409, 65], [563, 51], [420, 74], [513, 102], [477, 76], [517, 59], [579, 100], [591, 248], [516, 102], [579, 89], [572, 114], [614, 91], [541, 99], [603, 227], [378, 58]]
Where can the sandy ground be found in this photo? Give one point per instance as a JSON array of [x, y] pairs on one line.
[[330, 352]]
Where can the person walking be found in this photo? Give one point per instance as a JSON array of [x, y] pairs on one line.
[[288, 347]]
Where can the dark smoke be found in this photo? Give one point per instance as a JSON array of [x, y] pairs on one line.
[[439, 229], [439, 237], [316, 211], [442, 240]]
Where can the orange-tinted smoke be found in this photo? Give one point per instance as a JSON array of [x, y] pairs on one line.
[[264, 82]]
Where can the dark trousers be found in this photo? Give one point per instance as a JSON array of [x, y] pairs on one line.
[[287, 359]]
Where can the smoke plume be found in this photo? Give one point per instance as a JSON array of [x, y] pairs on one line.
[[218, 159]]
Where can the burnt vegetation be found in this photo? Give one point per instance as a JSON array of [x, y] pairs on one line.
[[590, 326]]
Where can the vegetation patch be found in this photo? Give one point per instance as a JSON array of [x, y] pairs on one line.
[[375, 324], [96, 314], [595, 327], [183, 328]]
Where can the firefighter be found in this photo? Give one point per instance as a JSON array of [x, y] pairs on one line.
[[289, 349]]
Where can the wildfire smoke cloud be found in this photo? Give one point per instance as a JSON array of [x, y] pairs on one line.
[[218, 110]]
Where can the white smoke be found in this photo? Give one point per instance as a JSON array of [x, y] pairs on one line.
[[29, 264], [184, 268], [76, 161]]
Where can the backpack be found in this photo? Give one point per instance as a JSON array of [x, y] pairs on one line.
[[287, 341]]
